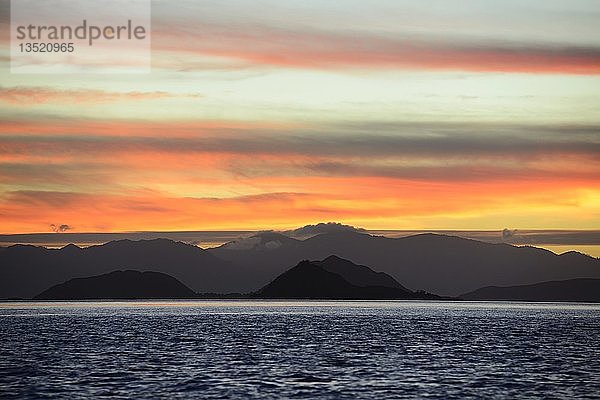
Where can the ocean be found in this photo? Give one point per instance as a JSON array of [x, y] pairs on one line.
[[299, 349]]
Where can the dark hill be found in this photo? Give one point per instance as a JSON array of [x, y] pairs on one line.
[[358, 275], [314, 280], [119, 285], [445, 265], [583, 290]]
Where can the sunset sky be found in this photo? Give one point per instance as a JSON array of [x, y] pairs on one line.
[[275, 114]]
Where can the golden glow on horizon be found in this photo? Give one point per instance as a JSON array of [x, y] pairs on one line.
[[374, 204]]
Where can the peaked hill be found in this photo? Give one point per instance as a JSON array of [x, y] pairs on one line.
[[317, 280]]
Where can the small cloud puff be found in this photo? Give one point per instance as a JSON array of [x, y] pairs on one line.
[[323, 227], [508, 233], [60, 228]]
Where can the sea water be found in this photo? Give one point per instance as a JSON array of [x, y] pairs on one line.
[[299, 349]]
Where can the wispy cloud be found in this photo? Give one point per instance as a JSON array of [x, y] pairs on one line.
[[381, 114], [266, 43], [404, 140], [30, 96], [335, 52], [97, 156]]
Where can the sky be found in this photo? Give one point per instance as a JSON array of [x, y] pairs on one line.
[[456, 115]]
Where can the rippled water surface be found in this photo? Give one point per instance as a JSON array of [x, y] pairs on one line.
[[241, 349]]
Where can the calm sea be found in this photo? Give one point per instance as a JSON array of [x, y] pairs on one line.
[[316, 350]]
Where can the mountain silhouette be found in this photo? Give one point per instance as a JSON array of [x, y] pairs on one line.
[[119, 285], [577, 290], [445, 265], [317, 280], [27, 270], [358, 275]]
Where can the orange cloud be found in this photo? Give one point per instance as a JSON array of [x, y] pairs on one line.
[[237, 159], [230, 175], [365, 200], [137, 128], [28, 96], [269, 46]]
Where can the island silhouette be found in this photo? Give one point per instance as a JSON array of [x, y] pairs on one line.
[[119, 285], [575, 290], [331, 278], [336, 278]]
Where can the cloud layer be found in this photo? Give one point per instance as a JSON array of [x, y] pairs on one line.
[[383, 114]]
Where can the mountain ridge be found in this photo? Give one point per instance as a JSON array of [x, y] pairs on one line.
[[576, 290], [27, 270], [441, 264]]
